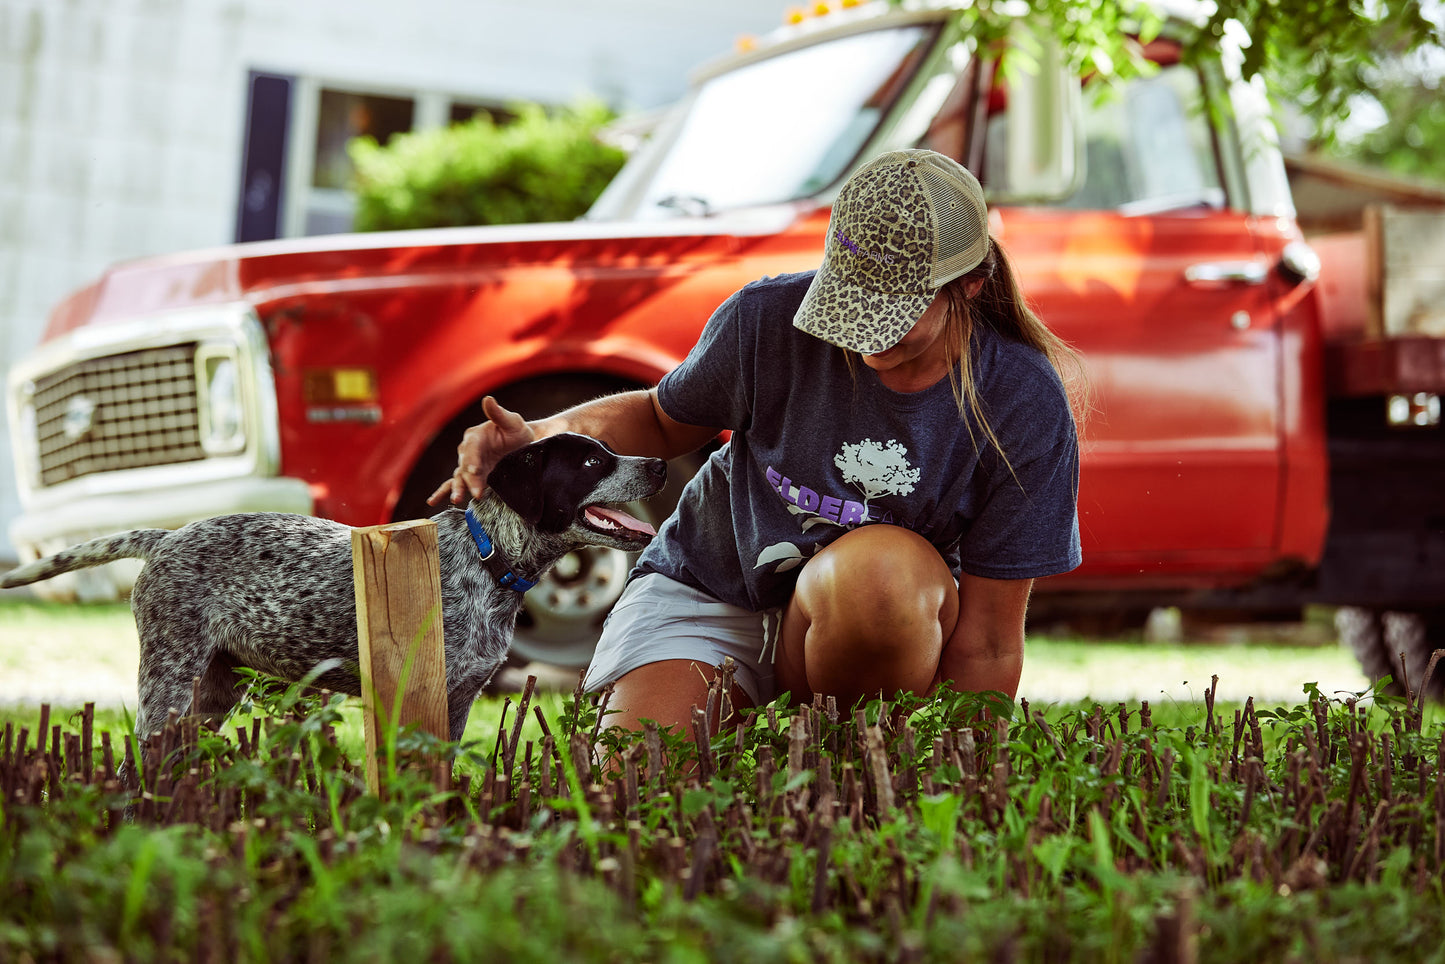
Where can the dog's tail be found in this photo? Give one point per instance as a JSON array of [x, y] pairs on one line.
[[136, 544]]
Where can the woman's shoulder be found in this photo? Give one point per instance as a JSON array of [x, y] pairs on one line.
[[1010, 362], [777, 292], [1022, 389], [763, 310]]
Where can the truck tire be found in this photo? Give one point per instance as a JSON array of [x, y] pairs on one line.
[[1379, 637], [563, 615]]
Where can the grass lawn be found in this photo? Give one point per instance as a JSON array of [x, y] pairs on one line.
[[69, 655]]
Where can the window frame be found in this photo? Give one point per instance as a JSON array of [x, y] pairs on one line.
[[431, 109], [1213, 89]]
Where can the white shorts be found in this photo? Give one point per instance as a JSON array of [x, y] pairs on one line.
[[659, 618]]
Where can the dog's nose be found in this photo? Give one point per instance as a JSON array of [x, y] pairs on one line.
[[657, 468]]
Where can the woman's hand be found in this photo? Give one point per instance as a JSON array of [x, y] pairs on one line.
[[482, 448]]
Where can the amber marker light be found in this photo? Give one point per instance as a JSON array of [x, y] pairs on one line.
[[339, 386]]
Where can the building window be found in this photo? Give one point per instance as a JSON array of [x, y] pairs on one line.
[[324, 116], [344, 115], [340, 116]]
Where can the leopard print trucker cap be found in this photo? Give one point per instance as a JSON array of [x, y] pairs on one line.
[[904, 224]]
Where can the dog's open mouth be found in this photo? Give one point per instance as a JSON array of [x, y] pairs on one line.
[[613, 521]]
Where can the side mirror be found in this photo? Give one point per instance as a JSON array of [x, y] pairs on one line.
[[1043, 144]]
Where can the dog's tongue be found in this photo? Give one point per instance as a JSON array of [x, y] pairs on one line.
[[616, 519]]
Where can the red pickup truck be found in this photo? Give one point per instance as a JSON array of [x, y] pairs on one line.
[[1253, 444]]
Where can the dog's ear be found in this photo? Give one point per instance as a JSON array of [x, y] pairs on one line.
[[517, 480], [538, 482], [547, 481]]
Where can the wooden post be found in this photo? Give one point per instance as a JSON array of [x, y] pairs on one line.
[[399, 631]]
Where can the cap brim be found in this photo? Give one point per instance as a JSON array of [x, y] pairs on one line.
[[857, 318]]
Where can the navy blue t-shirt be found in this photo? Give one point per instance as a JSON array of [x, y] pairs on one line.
[[818, 448]]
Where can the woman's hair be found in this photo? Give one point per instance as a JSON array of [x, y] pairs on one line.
[[1000, 304]]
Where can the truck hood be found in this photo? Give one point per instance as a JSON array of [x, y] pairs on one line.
[[270, 270]]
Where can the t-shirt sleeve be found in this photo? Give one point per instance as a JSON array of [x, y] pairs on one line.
[[712, 385], [1029, 525]]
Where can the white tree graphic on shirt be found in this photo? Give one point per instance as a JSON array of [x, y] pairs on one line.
[[875, 468]]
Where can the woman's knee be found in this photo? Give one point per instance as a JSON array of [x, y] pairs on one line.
[[870, 614], [876, 578]]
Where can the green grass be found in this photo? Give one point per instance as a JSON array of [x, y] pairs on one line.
[[1071, 669], [62, 631], [72, 654], [64, 647]]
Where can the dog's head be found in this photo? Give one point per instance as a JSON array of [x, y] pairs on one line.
[[566, 482]]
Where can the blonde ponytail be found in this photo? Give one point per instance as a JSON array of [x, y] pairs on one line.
[[1000, 304]]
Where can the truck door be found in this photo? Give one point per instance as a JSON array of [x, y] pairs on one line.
[[1152, 271]]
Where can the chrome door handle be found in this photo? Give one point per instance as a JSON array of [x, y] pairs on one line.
[[1224, 272]]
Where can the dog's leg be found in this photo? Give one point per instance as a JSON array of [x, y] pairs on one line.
[[460, 697], [172, 654], [220, 690], [162, 688], [175, 647], [459, 707]]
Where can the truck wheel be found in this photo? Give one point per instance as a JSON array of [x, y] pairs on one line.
[[563, 614], [1378, 638]]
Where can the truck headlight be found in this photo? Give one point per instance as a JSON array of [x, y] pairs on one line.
[[222, 412]]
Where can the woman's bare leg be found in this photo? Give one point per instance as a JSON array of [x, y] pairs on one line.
[[869, 616], [666, 691]]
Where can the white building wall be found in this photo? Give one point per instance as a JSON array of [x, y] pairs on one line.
[[121, 121]]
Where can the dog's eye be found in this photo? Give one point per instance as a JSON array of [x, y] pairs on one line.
[[592, 462]]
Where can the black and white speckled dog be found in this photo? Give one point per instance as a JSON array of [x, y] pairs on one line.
[[274, 592]]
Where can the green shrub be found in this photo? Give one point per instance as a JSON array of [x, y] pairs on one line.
[[540, 167]]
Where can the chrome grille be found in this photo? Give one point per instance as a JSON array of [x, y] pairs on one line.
[[118, 412]]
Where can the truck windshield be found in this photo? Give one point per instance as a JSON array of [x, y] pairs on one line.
[[773, 130]]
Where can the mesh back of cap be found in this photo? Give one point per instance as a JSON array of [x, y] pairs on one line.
[[960, 221]]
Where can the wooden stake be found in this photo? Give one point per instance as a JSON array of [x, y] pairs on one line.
[[397, 572]]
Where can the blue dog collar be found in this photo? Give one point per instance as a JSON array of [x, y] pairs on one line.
[[506, 578]]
